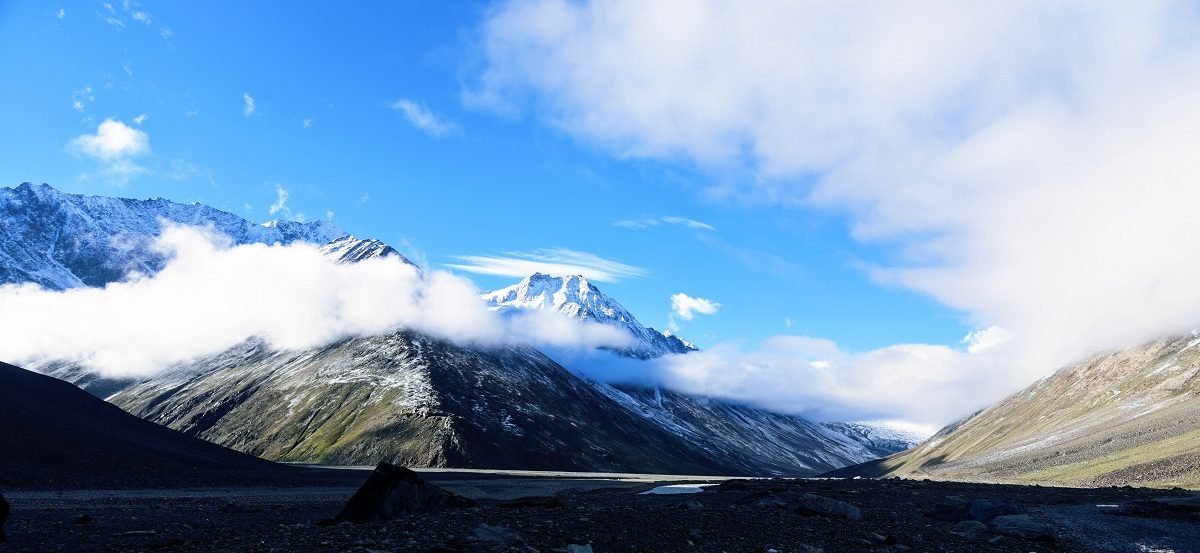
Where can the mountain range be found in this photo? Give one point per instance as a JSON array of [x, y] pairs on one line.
[[402, 396], [60, 241]]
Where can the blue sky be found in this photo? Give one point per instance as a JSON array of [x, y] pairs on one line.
[[325, 80], [888, 177]]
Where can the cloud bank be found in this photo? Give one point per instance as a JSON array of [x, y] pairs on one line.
[[211, 296], [1029, 164]]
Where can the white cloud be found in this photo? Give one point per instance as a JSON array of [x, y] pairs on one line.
[[984, 339], [114, 146], [280, 206], [61, 13], [248, 105], [554, 261], [307, 122], [366, 197], [420, 117], [689, 223], [911, 384], [1028, 163], [142, 17], [141, 118], [211, 296], [686, 307], [647, 222]]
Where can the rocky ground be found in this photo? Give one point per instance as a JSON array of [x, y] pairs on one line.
[[578, 515]]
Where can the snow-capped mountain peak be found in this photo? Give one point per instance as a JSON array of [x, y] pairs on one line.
[[351, 249], [571, 295], [575, 297]]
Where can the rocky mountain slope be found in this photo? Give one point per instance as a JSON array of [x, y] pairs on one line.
[[60, 240], [879, 439], [412, 400], [754, 441], [1123, 417]]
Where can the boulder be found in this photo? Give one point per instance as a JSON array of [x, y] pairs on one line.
[[815, 504], [1022, 526], [947, 512], [393, 491]]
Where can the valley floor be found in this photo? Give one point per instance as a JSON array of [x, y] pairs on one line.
[[604, 511]]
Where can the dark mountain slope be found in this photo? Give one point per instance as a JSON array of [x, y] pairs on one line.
[[56, 435]]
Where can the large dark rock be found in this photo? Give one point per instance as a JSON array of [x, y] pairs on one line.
[[392, 491], [986, 510], [1022, 526], [815, 504], [3, 516], [980, 510]]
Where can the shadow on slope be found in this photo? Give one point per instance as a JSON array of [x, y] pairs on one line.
[[58, 436]]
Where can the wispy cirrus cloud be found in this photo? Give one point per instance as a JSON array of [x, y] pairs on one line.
[[420, 116], [248, 104], [647, 222], [281, 208], [554, 261]]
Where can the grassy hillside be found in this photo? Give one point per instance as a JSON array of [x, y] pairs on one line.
[[1125, 417]]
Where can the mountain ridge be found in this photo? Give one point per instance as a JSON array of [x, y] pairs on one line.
[[59, 240]]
